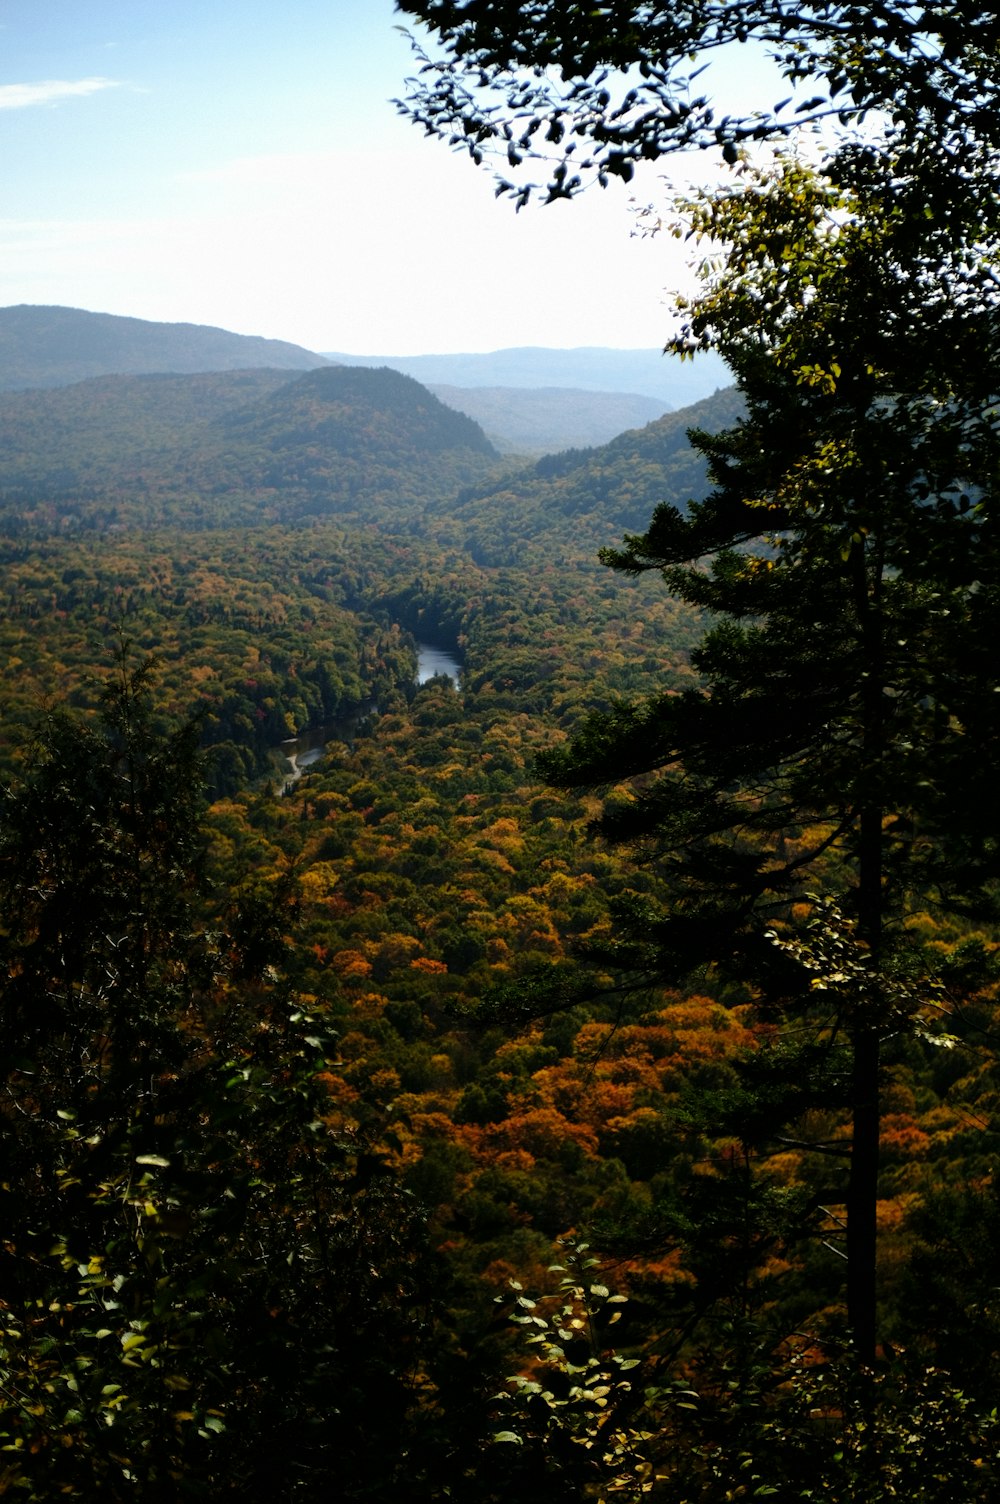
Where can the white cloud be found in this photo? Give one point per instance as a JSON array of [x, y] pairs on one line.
[[50, 91]]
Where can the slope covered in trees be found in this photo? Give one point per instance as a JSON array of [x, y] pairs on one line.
[[412, 947], [584, 498], [241, 447], [259, 446], [815, 805], [375, 951]]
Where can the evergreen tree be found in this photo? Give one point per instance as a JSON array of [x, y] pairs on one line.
[[844, 733]]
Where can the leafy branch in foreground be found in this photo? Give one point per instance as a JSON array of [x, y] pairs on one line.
[[205, 1283], [590, 92]]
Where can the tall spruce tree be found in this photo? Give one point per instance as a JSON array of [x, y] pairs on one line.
[[845, 731]]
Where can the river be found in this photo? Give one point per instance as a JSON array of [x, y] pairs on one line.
[[432, 661], [302, 751]]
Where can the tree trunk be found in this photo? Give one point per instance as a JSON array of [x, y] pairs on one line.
[[862, 1195]]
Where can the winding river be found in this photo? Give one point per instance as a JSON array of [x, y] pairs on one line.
[[302, 751]]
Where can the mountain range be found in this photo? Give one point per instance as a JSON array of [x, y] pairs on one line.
[[529, 402], [546, 420], [233, 447], [247, 448], [643, 373], [256, 445], [52, 346], [585, 499]]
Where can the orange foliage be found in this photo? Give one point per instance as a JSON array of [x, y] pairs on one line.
[[351, 963], [541, 1131], [340, 1091], [900, 1135]]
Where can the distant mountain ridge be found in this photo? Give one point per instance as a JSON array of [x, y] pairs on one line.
[[591, 368], [51, 346], [530, 401], [244, 448], [335, 407]]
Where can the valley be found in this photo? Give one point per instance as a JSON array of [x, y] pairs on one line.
[[406, 947]]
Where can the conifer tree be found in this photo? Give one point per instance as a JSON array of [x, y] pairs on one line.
[[843, 736]]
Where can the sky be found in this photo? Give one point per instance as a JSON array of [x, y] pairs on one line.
[[240, 163]]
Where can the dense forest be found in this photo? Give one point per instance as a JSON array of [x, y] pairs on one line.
[[580, 1081], [390, 988], [381, 906]]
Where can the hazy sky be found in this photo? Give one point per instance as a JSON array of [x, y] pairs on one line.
[[238, 163]]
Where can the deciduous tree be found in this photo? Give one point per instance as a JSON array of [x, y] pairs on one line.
[[203, 1282]]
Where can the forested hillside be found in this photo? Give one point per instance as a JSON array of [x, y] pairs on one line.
[[586, 498], [390, 985], [239, 447], [375, 906]]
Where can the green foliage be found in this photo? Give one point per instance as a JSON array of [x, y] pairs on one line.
[[261, 659], [597, 493], [793, 1425], [563, 1430], [848, 554], [322, 1035]]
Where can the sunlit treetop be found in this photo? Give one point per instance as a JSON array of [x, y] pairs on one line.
[[590, 90]]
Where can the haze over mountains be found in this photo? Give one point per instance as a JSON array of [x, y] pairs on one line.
[[532, 400], [544, 420], [232, 447], [529, 402], [248, 445], [644, 373]]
